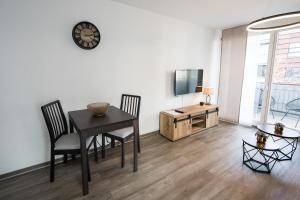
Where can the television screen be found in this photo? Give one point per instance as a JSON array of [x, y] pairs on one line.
[[186, 81]]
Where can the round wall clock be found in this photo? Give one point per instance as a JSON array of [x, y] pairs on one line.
[[86, 35]]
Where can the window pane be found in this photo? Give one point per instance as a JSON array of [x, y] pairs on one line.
[[254, 78]]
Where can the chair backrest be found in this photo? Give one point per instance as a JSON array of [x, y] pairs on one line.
[[131, 104], [293, 105], [55, 120]]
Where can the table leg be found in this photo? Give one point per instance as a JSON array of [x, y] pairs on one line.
[[71, 126], [135, 145], [84, 167]]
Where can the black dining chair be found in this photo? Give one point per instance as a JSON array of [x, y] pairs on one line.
[[130, 104], [62, 142]]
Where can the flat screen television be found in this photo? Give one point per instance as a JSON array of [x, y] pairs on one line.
[[186, 81]]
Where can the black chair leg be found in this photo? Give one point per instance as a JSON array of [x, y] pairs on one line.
[[73, 156], [123, 154], [95, 148], [103, 146], [139, 143], [65, 158], [52, 167]]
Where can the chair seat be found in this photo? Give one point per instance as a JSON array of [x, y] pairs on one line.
[[70, 142], [122, 133]]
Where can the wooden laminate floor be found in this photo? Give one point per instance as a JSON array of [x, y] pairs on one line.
[[207, 165]]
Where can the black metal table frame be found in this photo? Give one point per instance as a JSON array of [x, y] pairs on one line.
[[290, 142], [269, 160]]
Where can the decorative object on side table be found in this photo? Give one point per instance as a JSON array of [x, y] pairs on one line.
[[279, 128], [86, 35], [261, 137], [202, 103], [98, 109], [208, 92]]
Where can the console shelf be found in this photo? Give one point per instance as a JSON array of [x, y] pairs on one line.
[[191, 119], [196, 121]]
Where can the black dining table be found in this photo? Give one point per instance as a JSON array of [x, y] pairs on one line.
[[87, 125]]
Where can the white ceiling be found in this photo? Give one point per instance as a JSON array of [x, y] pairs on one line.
[[219, 14]]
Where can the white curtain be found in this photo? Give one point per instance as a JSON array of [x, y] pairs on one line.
[[234, 42]]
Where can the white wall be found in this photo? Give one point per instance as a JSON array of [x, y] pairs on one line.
[[234, 43], [138, 53]]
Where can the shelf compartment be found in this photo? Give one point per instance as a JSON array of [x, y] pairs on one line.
[[196, 121], [196, 129]]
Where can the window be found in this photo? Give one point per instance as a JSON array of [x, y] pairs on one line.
[[294, 50], [271, 78], [261, 70], [264, 41], [292, 72]]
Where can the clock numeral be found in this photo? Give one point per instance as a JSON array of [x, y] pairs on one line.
[[79, 27]]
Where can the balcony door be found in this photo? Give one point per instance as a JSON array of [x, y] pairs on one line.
[[284, 97], [271, 86], [256, 77]]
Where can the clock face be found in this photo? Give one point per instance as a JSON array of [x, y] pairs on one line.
[[86, 35]]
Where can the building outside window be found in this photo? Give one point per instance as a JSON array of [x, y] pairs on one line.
[[294, 50]]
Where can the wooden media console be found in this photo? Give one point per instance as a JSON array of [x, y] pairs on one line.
[[189, 120]]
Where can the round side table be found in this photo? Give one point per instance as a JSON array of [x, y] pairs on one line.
[[260, 157], [287, 140]]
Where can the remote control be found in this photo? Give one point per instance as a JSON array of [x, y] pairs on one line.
[[179, 111]]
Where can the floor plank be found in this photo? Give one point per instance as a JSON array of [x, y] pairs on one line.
[[207, 165]]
